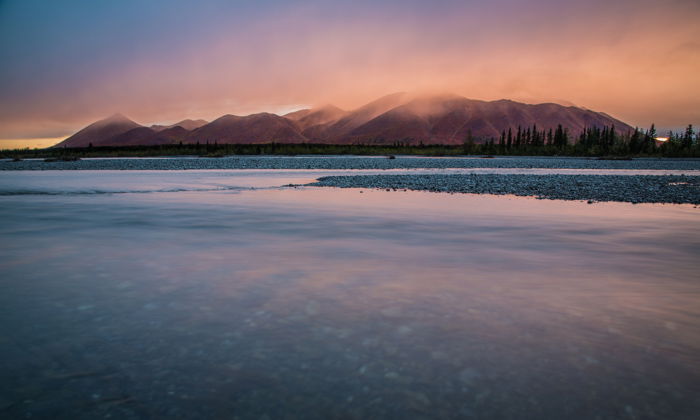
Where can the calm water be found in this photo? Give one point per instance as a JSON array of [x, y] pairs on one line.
[[190, 295]]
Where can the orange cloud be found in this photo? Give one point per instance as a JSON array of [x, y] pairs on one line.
[[639, 63]]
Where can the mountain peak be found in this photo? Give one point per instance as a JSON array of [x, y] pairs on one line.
[[321, 115], [100, 132], [328, 108], [117, 117]]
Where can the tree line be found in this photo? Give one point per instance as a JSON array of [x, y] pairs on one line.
[[593, 141]]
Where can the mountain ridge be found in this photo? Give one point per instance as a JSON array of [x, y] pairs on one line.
[[398, 117]]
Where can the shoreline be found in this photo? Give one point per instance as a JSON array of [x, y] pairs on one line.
[[345, 162], [590, 188], [634, 181]]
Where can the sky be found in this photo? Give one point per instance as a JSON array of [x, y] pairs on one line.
[[66, 64]]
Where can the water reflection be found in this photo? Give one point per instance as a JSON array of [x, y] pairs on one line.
[[323, 303], [84, 182]]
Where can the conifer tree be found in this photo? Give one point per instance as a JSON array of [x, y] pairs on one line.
[[635, 144], [510, 138], [688, 137]]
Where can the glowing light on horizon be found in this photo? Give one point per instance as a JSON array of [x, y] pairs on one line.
[[33, 143], [661, 138]]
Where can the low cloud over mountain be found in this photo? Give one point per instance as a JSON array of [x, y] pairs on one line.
[[430, 119]]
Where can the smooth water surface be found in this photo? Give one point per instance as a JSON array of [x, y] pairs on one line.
[[194, 296]]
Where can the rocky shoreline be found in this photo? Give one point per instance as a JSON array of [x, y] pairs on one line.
[[677, 187], [346, 162], [591, 188]]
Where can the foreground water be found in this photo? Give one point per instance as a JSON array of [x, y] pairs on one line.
[[152, 295]]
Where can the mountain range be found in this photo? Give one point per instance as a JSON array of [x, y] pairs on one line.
[[433, 119]]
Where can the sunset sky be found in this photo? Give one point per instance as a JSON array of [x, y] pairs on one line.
[[66, 64]]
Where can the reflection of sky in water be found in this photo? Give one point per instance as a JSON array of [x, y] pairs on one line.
[[112, 181], [323, 303]]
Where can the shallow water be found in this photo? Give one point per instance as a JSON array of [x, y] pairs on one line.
[[198, 297], [56, 182]]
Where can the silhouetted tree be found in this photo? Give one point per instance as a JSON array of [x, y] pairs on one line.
[[636, 142], [560, 137], [687, 142], [469, 142]]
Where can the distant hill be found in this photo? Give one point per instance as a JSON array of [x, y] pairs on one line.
[[99, 133], [297, 115], [449, 120], [256, 128], [171, 135], [318, 116], [118, 130], [134, 137], [186, 124], [430, 119], [144, 136]]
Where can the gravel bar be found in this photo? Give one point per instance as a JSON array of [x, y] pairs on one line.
[[347, 162], [631, 189]]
